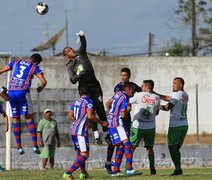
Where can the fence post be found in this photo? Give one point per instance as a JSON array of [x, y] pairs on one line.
[[38, 106], [197, 113]]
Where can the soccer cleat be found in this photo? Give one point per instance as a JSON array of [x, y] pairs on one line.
[[115, 174], [108, 168], [152, 170], [84, 176], [68, 176], [107, 139], [36, 150], [98, 141], [20, 151], [177, 172], [133, 173], [43, 169]]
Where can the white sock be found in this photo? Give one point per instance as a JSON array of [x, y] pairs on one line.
[[96, 134]]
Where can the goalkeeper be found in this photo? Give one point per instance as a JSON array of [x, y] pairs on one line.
[[81, 70]]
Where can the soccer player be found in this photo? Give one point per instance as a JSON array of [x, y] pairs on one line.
[[125, 75], [147, 105], [178, 122], [81, 112], [22, 72], [47, 134], [81, 70], [5, 117], [119, 136]]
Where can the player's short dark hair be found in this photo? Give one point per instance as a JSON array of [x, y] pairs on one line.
[[67, 47], [36, 58], [128, 85], [150, 83], [84, 90], [127, 70], [180, 79]]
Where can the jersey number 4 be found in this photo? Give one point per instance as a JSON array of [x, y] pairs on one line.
[[147, 112]]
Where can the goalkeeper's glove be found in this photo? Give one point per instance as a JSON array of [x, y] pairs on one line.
[[79, 69], [80, 33]]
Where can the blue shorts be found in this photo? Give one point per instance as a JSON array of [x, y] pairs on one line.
[[118, 134], [81, 143], [20, 102]]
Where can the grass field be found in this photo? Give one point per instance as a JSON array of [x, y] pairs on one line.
[[98, 174]]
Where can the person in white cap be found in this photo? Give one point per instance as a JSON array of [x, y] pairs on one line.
[[47, 135]]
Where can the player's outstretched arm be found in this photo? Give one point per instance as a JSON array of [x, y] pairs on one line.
[[4, 69], [83, 43], [108, 104], [93, 118], [123, 114], [71, 116], [43, 82], [164, 97], [166, 107]]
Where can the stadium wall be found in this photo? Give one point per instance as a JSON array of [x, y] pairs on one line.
[[192, 156], [195, 71]]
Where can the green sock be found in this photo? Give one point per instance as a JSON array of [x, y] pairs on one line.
[[151, 160], [175, 155]]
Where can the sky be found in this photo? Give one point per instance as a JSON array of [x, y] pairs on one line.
[[116, 26]]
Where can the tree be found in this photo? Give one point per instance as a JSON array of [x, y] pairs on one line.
[[197, 14], [176, 49]]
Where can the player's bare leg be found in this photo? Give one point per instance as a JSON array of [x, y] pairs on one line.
[[44, 162]]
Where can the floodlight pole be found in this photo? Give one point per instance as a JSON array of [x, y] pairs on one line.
[[66, 24]]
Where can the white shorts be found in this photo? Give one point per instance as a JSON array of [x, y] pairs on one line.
[[81, 143]]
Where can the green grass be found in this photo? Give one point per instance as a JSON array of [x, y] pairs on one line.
[[98, 174]]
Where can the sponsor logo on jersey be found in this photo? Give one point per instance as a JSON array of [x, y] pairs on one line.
[[148, 100]]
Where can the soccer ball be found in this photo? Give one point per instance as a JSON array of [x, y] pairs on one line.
[[42, 8]]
